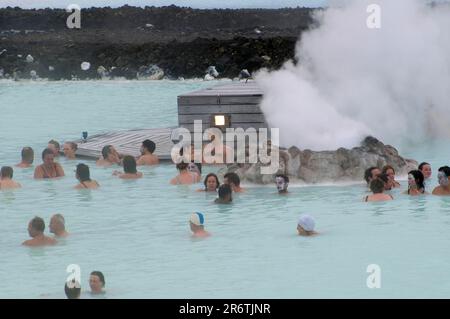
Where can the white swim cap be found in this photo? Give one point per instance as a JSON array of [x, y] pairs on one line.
[[306, 222], [197, 219]]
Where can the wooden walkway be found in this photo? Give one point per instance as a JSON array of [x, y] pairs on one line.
[[239, 101], [128, 142]]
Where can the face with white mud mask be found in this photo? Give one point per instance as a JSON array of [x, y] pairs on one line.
[[412, 181], [443, 179], [281, 184]]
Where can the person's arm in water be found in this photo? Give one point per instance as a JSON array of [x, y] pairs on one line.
[[38, 172], [59, 170]]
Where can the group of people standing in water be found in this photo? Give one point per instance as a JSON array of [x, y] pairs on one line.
[[50, 169], [188, 173], [381, 181]]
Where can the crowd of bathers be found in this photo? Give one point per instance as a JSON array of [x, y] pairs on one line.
[[382, 180], [188, 173]]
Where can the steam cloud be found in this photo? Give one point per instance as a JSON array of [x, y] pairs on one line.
[[351, 81]]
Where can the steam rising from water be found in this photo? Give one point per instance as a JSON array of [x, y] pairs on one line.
[[351, 81]]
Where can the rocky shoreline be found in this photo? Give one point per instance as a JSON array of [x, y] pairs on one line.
[[155, 43], [342, 165]]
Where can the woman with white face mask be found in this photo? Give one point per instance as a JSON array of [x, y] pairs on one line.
[[444, 183], [282, 183], [415, 183]]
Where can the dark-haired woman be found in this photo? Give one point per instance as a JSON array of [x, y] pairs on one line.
[[83, 176], [415, 183], [211, 183], [129, 169], [49, 168]]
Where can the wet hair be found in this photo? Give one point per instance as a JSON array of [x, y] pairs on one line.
[[73, 145], [83, 172], [224, 190], [100, 275], [445, 170], [386, 168], [418, 177], [106, 150], [233, 178], [384, 177], [6, 171], [421, 165], [55, 143], [368, 174], [285, 177], [377, 186], [38, 224], [129, 164], [47, 151], [182, 166], [60, 218], [27, 154], [208, 176], [74, 292], [149, 145]]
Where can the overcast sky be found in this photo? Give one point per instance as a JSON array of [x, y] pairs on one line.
[[187, 3]]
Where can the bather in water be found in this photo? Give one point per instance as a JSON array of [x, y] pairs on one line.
[[6, 181], [444, 182], [415, 183], [197, 225], [27, 155], [211, 183], [57, 226], [48, 169], [69, 149], [129, 169], [147, 157], [84, 177], [306, 226], [390, 172], [234, 181], [36, 229], [377, 186], [282, 183], [184, 177], [109, 157], [224, 195]]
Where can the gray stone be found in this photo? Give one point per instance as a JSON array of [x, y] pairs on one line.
[[329, 166], [151, 72], [211, 70]]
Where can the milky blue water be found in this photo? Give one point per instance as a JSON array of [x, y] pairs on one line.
[[137, 233]]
